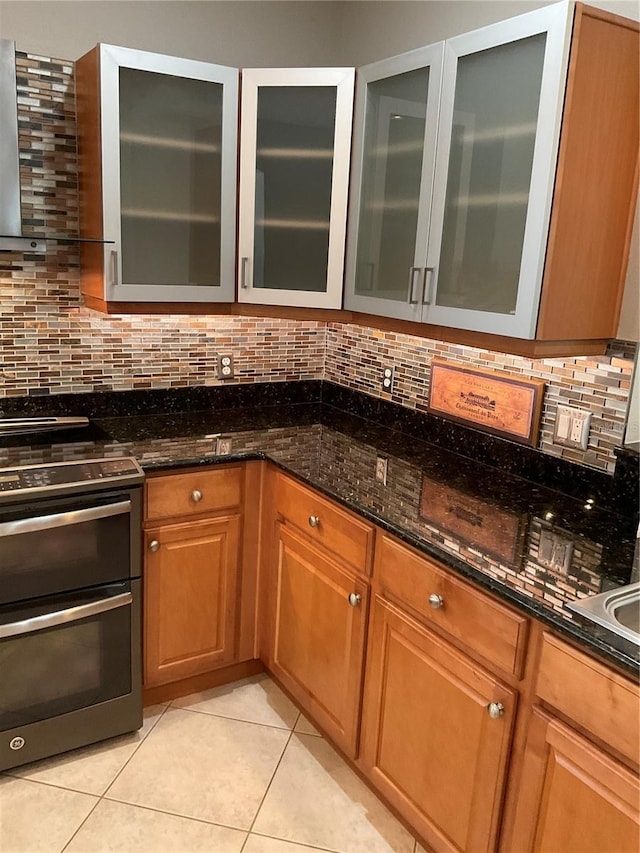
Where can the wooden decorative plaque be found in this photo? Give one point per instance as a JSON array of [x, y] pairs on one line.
[[500, 403]]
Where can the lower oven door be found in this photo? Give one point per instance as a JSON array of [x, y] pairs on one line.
[[69, 671]]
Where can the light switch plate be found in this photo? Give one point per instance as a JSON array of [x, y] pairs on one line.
[[572, 427]]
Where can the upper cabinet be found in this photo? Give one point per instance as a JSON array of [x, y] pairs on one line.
[[294, 170], [494, 180], [158, 154]]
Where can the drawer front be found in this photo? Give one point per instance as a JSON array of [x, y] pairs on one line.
[[593, 696], [326, 523], [488, 628], [194, 493]]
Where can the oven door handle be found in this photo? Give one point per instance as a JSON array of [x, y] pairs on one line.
[[63, 519], [62, 617]]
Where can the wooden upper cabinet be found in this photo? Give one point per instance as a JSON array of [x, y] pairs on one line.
[[514, 218], [157, 139], [294, 172]]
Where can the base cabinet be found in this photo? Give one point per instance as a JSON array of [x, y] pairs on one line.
[[190, 598], [319, 635], [573, 797], [429, 742]]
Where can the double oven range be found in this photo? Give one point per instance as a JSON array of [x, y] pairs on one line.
[[70, 634]]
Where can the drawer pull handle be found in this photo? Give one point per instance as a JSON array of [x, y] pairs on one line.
[[196, 495], [436, 601], [154, 545], [354, 599], [496, 710], [314, 521]]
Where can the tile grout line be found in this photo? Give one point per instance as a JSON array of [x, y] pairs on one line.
[[101, 796], [235, 719], [275, 770]]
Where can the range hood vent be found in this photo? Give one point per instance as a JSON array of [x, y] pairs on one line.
[[11, 238]]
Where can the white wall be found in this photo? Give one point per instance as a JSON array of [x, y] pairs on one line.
[[247, 33]]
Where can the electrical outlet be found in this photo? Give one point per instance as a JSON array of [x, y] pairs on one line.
[[387, 378], [572, 427], [381, 469], [223, 446], [225, 366]]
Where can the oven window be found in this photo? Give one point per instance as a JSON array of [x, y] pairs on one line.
[[65, 548], [64, 668]]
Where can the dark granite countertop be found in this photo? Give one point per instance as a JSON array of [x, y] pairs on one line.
[[535, 547]]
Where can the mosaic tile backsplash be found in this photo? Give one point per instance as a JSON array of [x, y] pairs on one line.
[[50, 343]]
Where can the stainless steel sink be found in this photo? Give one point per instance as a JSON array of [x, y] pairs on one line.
[[618, 610]]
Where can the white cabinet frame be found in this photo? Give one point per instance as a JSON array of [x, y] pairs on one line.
[[113, 58], [556, 22], [252, 80], [432, 57]]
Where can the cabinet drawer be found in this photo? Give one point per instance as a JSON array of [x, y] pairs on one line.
[[194, 493], [587, 692], [489, 628], [326, 523]]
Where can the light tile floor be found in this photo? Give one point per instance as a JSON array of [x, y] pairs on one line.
[[236, 769]]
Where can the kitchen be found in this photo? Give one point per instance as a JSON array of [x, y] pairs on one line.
[[54, 347]]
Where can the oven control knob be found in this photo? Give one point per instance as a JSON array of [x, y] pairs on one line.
[[154, 545], [196, 495], [16, 743]]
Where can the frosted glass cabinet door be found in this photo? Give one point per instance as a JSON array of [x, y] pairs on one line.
[[397, 102], [295, 142], [499, 128], [169, 162]]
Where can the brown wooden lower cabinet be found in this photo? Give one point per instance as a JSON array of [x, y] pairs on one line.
[[190, 586], [319, 635], [428, 742], [573, 797]]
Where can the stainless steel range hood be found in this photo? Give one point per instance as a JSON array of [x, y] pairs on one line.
[[11, 238]]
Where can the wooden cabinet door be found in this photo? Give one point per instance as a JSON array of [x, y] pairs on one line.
[[318, 636], [573, 798], [190, 583], [428, 741]]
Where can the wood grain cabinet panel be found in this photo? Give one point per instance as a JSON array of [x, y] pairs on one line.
[[490, 629], [326, 523], [590, 694], [428, 741], [190, 585], [193, 493], [573, 797], [319, 636]]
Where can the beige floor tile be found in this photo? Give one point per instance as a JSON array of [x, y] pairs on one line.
[[38, 818], [202, 766], [256, 700], [119, 828], [262, 844], [316, 799], [93, 768], [305, 726]]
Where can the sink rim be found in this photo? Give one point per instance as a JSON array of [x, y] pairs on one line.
[[601, 609]]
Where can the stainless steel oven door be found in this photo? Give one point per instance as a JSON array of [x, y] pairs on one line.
[[70, 671], [50, 546]]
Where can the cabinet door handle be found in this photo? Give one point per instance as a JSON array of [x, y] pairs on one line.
[[243, 273], [354, 599], [154, 545], [426, 288], [113, 268], [412, 276], [495, 710], [314, 521], [436, 601], [196, 495]]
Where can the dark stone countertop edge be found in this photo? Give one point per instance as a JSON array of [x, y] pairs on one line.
[[584, 637]]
